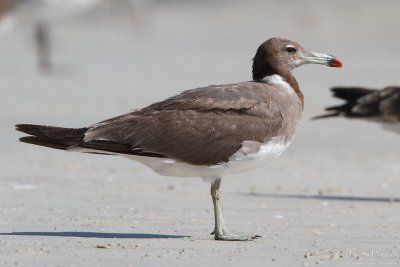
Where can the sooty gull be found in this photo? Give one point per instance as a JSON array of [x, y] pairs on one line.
[[382, 106], [207, 132]]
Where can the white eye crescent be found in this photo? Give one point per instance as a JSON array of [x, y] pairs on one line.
[[290, 49]]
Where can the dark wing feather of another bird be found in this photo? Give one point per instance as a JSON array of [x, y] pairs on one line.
[[384, 103], [366, 103], [200, 126], [351, 95]]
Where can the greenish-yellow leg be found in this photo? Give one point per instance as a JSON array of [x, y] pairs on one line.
[[220, 232]]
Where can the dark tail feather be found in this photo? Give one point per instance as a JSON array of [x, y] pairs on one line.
[[351, 94], [65, 138], [336, 111], [40, 141], [49, 136], [324, 116]]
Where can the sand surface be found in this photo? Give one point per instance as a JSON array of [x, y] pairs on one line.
[[332, 199]]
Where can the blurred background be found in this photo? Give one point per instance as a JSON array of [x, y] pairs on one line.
[[74, 63]]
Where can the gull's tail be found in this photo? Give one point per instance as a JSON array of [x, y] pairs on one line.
[[50, 136]]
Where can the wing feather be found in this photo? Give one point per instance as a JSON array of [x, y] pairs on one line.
[[202, 126]]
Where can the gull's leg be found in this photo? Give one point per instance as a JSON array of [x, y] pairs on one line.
[[220, 232], [219, 228]]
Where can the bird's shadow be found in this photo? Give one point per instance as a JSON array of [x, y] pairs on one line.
[[96, 235], [325, 197]]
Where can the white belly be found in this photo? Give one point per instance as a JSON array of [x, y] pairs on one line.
[[241, 161]]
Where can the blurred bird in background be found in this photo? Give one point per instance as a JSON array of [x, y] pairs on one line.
[[6, 19], [382, 106], [41, 15]]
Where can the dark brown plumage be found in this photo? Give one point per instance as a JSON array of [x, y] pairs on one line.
[[203, 126], [195, 126]]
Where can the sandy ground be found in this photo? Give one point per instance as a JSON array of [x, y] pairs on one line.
[[331, 199]]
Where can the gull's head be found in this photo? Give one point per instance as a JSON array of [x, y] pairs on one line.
[[278, 55]]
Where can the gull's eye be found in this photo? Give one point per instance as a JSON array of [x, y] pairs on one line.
[[290, 49]]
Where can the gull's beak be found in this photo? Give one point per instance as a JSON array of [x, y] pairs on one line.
[[317, 58]]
